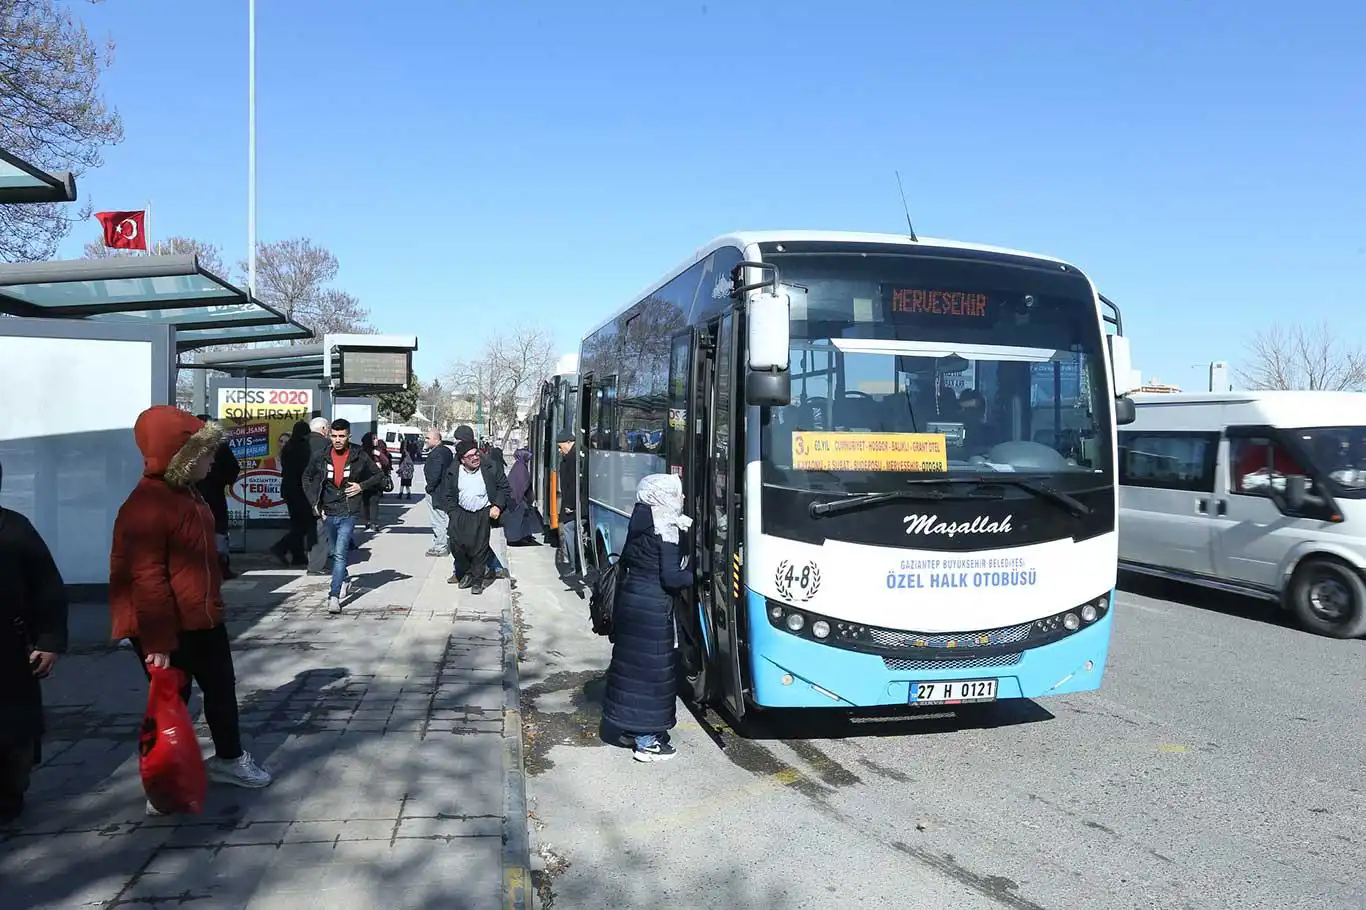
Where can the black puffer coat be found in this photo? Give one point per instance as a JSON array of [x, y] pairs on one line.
[[32, 617], [641, 690]]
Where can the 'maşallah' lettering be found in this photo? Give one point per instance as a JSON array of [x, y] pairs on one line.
[[930, 524]]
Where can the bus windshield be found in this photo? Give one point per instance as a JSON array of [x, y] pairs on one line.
[[909, 365]]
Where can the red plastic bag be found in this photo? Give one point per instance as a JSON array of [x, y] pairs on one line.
[[172, 766]]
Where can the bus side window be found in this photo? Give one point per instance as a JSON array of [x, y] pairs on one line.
[[676, 430]]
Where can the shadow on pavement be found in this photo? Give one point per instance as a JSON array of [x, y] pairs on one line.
[[1221, 602]]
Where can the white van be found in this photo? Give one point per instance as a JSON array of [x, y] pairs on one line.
[[1258, 493], [396, 435]]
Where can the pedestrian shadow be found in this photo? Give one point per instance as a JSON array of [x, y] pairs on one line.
[[373, 581]]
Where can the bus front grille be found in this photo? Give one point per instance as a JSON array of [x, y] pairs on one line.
[[966, 663]]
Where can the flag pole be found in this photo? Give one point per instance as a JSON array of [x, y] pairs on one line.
[[251, 147], [147, 228]]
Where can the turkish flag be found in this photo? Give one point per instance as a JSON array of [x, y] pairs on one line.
[[124, 230]]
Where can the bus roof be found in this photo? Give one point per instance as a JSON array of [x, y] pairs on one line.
[[744, 239], [1271, 408]]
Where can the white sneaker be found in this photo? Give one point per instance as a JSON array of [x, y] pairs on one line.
[[240, 772], [346, 588], [334, 604], [154, 812]]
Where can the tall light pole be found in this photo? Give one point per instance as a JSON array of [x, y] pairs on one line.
[[251, 147]]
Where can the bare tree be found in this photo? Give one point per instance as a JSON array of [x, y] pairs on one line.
[[292, 276], [51, 115], [505, 375], [1303, 357], [210, 256]]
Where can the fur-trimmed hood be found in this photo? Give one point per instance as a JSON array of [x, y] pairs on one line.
[[171, 440]]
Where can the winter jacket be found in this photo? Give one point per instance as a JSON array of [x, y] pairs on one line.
[[294, 459], [495, 484], [214, 488], [32, 618], [435, 467], [164, 575], [568, 486], [331, 499], [641, 686]]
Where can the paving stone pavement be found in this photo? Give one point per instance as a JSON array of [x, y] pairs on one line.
[[394, 787]]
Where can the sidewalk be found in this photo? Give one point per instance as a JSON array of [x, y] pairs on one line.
[[395, 784]]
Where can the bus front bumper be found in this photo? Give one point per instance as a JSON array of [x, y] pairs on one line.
[[791, 672]]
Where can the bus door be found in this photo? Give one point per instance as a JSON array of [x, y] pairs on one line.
[[583, 433], [711, 493]]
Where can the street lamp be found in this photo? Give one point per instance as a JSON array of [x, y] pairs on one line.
[[251, 147]]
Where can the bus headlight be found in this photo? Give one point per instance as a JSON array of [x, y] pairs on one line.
[[1088, 613], [820, 628], [795, 621], [775, 612], [1071, 622]]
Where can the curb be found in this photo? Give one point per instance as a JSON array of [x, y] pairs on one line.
[[516, 840]]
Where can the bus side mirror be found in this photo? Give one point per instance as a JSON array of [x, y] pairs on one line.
[[769, 337], [1121, 363], [1125, 412]]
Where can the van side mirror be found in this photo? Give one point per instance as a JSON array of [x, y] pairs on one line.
[[1121, 363], [1296, 491], [769, 337], [1125, 411]]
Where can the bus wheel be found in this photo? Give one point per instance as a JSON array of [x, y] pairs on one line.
[[1329, 597]]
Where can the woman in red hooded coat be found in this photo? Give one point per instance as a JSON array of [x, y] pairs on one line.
[[165, 579]]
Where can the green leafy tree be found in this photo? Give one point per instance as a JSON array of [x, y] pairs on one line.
[[400, 407]]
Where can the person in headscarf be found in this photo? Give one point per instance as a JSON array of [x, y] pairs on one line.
[[407, 466], [32, 633], [522, 522], [292, 548], [641, 689], [379, 454]]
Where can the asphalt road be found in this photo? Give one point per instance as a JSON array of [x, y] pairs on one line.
[[1220, 766]]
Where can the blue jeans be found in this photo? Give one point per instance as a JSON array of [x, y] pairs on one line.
[[646, 740], [339, 529]]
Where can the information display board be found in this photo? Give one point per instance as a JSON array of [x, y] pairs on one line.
[[375, 370]]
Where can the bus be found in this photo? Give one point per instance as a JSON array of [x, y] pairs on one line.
[[554, 413], [899, 456]]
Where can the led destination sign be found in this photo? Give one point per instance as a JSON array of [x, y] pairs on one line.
[[931, 302]]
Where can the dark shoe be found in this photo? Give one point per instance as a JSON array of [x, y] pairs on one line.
[[660, 751], [477, 587], [280, 556], [453, 580], [467, 581]]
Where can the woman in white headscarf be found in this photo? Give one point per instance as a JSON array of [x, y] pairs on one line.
[[641, 689]]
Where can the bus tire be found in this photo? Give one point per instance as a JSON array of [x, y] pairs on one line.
[[1328, 597]]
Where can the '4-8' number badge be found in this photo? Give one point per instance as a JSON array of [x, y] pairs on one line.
[[797, 584]]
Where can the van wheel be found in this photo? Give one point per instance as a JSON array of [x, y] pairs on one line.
[[1328, 597]]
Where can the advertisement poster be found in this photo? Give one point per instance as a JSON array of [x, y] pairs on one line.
[[258, 423]]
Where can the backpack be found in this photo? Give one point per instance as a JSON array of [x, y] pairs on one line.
[[603, 600]]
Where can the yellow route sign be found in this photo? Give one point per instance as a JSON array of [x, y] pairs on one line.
[[869, 451]]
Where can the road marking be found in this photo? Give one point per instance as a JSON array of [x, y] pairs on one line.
[[1143, 607], [1171, 748], [689, 815]]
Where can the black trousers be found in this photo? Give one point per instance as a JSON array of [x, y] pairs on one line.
[[16, 765], [206, 657], [303, 529], [469, 539]]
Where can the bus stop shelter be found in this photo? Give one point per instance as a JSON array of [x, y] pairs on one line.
[[87, 346], [21, 182]]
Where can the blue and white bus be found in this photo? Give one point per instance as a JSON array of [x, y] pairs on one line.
[[899, 455]]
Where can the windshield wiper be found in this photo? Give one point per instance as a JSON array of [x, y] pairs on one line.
[[868, 499], [1043, 491]]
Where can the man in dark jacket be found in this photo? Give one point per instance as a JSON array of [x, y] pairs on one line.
[[340, 475], [476, 493], [32, 634], [434, 470], [214, 489], [318, 445], [495, 566], [569, 498], [303, 526]]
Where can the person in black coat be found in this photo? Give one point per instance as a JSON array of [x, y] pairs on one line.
[[434, 469], [475, 494], [641, 689], [214, 489], [465, 432], [294, 458], [522, 522], [32, 633]]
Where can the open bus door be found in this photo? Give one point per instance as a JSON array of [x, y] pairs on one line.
[[582, 443], [710, 472]]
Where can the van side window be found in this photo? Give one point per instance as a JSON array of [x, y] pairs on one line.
[[1258, 464], [1168, 461]]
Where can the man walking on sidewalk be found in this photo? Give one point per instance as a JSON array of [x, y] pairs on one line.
[[495, 567], [439, 457], [476, 494], [165, 581], [341, 475], [318, 444]]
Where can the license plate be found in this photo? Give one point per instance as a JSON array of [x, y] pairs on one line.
[[953, 692]]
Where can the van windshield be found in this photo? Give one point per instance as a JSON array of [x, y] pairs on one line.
[[1339, 453]]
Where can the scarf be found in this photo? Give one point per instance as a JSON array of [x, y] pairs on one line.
[[663, 493]]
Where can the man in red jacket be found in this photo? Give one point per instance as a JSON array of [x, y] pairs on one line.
[[165, 579]]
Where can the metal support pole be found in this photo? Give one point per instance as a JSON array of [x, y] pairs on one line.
[[251, 147]]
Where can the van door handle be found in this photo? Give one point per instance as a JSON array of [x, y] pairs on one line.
[[1202, 506], [1221, 507]]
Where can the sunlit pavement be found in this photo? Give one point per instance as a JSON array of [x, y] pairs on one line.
[[383, 727], [1220, 766]]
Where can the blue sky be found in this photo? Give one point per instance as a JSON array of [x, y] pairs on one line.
[[472, 164]]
